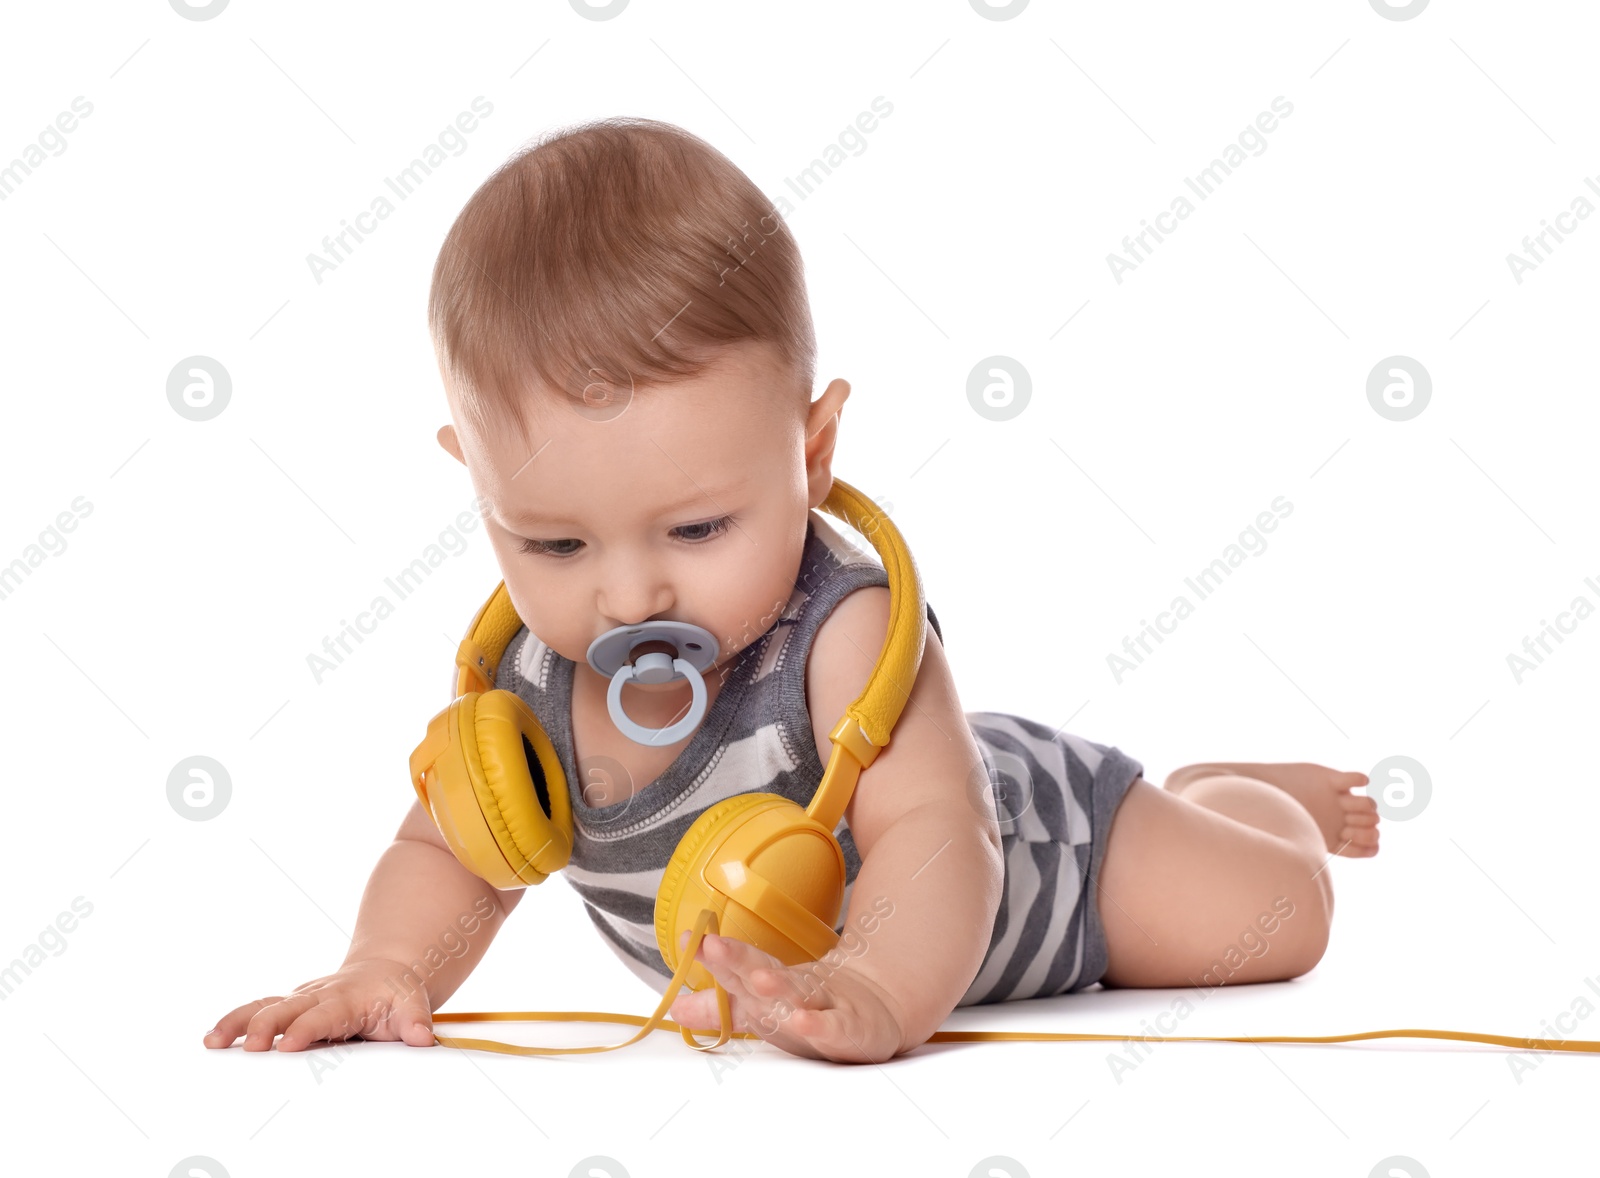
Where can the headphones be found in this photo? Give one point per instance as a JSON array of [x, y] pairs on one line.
[[755, 867]]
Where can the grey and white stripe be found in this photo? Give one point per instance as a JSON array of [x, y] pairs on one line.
[[1055, 794]]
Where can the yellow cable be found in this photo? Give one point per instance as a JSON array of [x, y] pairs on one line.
[[707, 921], [1517, 1041]]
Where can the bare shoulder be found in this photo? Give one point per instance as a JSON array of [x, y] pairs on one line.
[[931, 757]]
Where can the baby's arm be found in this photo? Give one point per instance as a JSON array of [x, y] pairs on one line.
[[922, 906], [425, 922], [922, 819], [921, 912]]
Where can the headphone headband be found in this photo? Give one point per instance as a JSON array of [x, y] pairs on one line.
[[878, 707]]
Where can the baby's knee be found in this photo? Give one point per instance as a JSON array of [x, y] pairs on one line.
[[1305, 930]]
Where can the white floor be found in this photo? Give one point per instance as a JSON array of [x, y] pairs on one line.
[[115, 1080]]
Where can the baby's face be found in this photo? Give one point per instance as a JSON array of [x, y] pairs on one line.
[[690, 504]]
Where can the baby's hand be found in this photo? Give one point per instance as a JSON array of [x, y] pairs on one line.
[[357, 1000], [813, 1010]]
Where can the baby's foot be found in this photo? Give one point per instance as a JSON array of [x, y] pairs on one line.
[[1348, 821]]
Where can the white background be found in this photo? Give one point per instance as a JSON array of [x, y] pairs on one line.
[[1228, 369]]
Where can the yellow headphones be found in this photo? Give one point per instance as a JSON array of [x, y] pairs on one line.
[[755, 867]]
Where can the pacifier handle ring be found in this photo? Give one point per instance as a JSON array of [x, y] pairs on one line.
[[672, 733]]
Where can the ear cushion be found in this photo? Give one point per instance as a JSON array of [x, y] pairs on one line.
[[713, 824], [523, 797]]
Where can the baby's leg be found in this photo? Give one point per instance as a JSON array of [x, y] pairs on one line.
[[1348, 820], [1192, 880]]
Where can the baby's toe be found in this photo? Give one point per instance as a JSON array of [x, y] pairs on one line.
[[1359, 840]]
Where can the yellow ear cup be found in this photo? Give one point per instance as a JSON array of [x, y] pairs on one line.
[[774, 877], [492, 781]]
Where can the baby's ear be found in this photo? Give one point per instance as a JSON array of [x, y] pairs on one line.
[[447, 439]]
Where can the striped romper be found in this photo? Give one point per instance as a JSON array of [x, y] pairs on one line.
[[1054, 794]]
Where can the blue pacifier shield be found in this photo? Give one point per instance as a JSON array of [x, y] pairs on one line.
[[696, 650]]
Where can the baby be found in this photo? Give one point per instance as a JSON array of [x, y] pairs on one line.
[[624, 337]]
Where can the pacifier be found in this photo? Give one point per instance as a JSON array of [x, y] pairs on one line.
[[696, 649]]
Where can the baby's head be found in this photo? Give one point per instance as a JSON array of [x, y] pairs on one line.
[[622, 328]]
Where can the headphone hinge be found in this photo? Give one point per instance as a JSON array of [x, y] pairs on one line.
[[474, 664], [849, 734]]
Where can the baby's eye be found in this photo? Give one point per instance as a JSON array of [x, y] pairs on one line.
[[717, 526], [546, 547], [688, 534]]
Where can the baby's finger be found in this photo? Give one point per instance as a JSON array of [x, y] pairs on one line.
[[794, 1010], [742, 958], [785, 984], [769, 995], [324, 1021], [720, 956], [836, 1032], [414, 1023], [270, 1020], [695, 1011], [231, 1025], [828, 1034], [409, 1021], [769, 981]]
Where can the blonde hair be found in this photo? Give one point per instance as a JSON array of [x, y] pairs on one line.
[[623, 250]]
